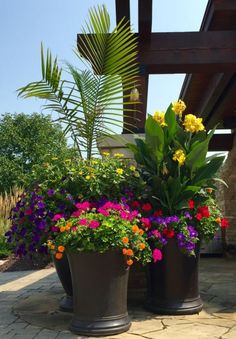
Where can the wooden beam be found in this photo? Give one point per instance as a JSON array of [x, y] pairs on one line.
[[122, 10], [212, 94], [221, 142], [225, 107], [144, 19], [189, 52]]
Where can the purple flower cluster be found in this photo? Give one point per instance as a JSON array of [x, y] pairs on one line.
[[187, 240], [32, 220]]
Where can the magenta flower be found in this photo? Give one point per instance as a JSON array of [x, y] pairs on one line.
[[57, 217], [28, 211], [156, 233], [156, 255], [124, 215], [146, 222], [76, 214], [83, 222], [83, 205], [103, 212], [94, 224], [73, 228], [54, 229]]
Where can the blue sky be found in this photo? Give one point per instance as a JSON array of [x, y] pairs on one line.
[[24, 24]]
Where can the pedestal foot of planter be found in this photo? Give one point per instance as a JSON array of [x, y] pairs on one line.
[[187, 306], [66, 303], [100, 327]]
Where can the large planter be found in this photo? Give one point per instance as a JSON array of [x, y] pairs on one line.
[[173, 283], [99, 292], [63, 272]]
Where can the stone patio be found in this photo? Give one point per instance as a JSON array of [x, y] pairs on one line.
[[29, 308]]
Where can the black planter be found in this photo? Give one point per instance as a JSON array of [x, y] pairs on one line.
[[63, 271], [99, 292], [173, 283]]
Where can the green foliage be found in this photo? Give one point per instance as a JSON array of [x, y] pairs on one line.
[[25, 140], [90, 102], [5, 248], [173, 159]]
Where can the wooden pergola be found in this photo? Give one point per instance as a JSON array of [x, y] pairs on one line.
[[208, 57]]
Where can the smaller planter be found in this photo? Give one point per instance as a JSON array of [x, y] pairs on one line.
[[100, 293], [63, 272]]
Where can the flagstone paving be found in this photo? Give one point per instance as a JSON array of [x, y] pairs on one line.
[[29, 308]]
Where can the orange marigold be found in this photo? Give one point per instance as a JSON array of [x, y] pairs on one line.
[[124, 251], [135, 228], [142, 246], [62, 229], [67, 228], [125, 240], [58, 255], [61, 249], [52, 247], [141, 232], [218, 220], [69, 224], [130, 252], [129, 262]]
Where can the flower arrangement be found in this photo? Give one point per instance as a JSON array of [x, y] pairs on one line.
[[38, 209], [33, 217], [101, 228], [180, 179]]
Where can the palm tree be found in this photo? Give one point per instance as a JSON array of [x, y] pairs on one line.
[[91, 102]]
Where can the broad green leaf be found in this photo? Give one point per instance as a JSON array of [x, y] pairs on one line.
[[209, 170], [170, 119], [154, 134]]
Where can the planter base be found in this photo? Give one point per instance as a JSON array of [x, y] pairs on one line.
[[187, 306], [101, 327], [66, 303]]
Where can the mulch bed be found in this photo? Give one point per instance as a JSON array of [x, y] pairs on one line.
[[23, 264]]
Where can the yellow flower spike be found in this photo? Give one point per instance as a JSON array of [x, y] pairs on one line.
[[132, 168], [119, 171], [160, 118], [179, 156], [178, 107], [88, 177], [193, 124], [106, 154]]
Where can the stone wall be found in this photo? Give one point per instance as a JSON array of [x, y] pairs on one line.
[[227, 196]]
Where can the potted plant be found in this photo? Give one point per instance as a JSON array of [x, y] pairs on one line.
[[90, 101], [32, 222], [101, 241], [173, 162]]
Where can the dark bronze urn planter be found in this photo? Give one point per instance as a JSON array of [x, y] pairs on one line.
[[99, 292], [63, 272], [173, 283]]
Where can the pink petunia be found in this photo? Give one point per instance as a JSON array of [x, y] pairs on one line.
[[156, 233], [103, 212], [83, 205], [124, 215], [57, 217], [156, 255], [94, 224], [83, 222], [146, 222], [76, 214]]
